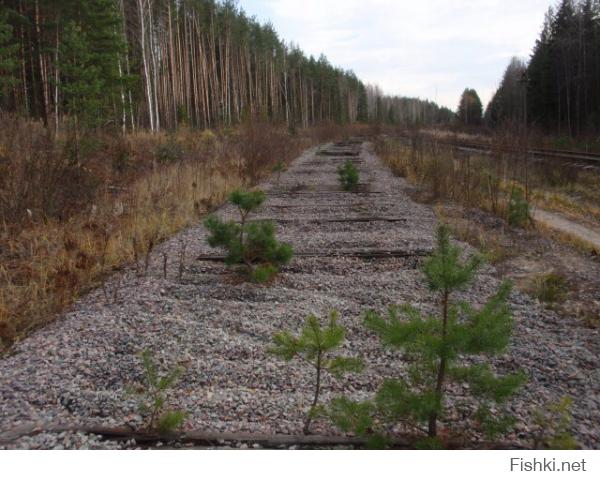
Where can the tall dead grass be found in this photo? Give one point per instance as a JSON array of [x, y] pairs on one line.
[[65, 225], [491, 181]]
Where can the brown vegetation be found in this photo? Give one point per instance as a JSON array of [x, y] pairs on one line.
[[476, 195], [493, 182], [66, 224]]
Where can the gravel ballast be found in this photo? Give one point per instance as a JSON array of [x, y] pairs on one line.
[[79, 370]]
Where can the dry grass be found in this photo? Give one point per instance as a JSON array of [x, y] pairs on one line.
[[567, 238], [489, 182], [489, 243], [549, 287], [66, 226]]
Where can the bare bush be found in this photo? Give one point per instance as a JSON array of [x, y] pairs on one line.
[[54, 211]]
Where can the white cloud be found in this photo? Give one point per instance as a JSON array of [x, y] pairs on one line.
[[414, 47]]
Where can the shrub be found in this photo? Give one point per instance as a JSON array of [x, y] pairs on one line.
[[550, 287], [314, 346], [154, 397], [437, 347], [519, 210], [552, 426], [121, 158], [169, 152], [348, 176], [208, 139], [253, 244]]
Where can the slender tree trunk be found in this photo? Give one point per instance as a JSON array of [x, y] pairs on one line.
[[316, 397], [147, 80], [42, 65], [439, 386]]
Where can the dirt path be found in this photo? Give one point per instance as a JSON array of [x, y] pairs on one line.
[[218, 329], [558, 222]]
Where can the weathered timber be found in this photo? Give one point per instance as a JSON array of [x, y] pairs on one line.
[[365, 254], [322, 205], [332, 220], [338, 153], [207, 438], [361, 187], [284, 193]]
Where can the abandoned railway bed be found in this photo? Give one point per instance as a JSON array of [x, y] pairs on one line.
[[354, 252]]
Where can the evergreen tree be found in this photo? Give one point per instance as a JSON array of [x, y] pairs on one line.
[[564, 70], [251, 244], [8, 56], [88, 60], [153, 397], [315, 346], [348, 175], [470, 108], [540, 97], [508, 105], [438, 349]]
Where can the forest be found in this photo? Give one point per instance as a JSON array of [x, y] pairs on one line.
[[558, 90], [157, 64]]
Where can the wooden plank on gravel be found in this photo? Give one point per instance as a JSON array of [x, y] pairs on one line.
[[333, 220], [203, 438], [324, 192], [329, 153], [365, 254], [323, 205]]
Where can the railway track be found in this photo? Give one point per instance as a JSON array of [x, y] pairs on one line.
[[355, 251], [569, 158]]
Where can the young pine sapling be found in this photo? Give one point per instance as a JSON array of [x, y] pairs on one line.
[[437, 347], [315, 346], [348, 176], [251, 244], [154, 396], [519, 210], [552, 426]]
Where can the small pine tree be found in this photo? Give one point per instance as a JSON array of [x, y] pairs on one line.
[[154, 397], [519, 210], [552, 426], [251, 244], [315, 345], [436, 348], [348, 176]]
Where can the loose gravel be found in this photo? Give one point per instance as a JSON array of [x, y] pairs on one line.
[[79, 370]]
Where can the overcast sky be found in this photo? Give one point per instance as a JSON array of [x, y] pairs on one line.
[[423, 48]]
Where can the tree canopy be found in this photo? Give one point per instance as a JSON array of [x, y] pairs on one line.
[[470, 108], [159, 63]]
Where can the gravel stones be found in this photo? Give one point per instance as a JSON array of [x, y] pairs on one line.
[[217, 328]]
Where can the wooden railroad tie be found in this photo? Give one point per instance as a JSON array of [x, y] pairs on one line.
[[364, 254], [333, 220], [207, 438], [325, 192], [329, 153], [327, 205]]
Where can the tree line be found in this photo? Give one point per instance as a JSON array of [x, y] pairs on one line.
[[157, 64], [559, 89], [404, 111]]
